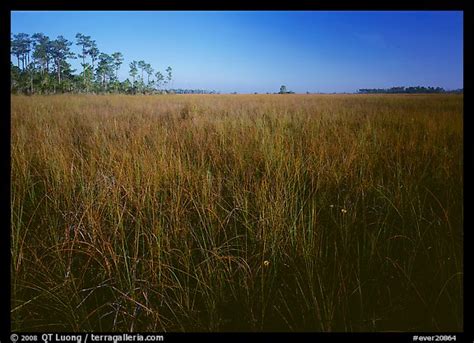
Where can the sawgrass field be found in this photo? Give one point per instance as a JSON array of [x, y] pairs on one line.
[[321, 213]]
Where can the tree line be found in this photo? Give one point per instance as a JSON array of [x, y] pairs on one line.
[[408, 90], [42, 67]]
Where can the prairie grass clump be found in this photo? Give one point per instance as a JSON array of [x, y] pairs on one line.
[[231, 213]]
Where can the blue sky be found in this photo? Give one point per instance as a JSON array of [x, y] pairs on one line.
[[257, 51]]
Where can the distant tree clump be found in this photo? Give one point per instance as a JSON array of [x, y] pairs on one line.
[[283, 90], [406, 90], [192, 91], [43, 67]]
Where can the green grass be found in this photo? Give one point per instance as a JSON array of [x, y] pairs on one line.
[[237, 213]]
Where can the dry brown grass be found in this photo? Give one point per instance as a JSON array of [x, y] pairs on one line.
[[157, 213]]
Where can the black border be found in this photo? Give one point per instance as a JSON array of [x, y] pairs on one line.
[[242, 5], [468, 168], [344, 5], [5, 184]]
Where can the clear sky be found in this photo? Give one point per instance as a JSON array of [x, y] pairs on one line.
[[256, 51]]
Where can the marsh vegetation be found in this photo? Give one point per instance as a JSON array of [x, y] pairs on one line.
[[237, 213]]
